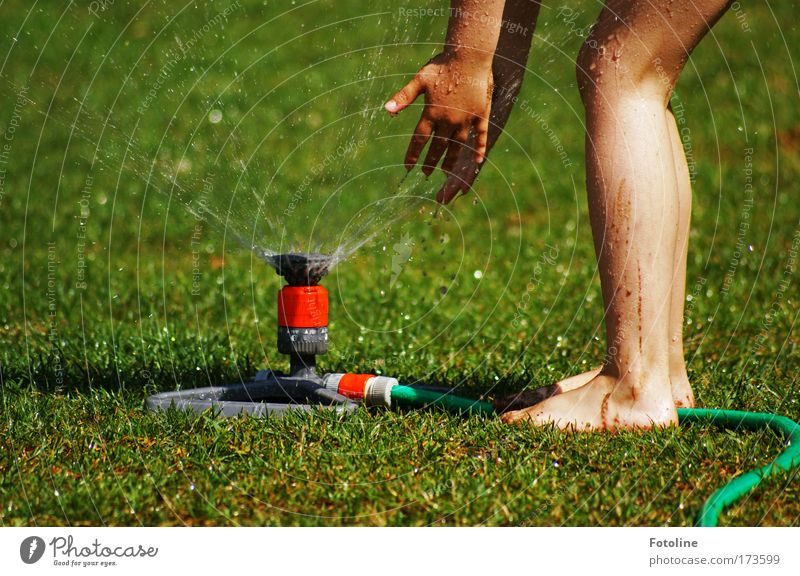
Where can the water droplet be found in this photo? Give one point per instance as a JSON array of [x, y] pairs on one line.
[[477, 274], [215, 116]]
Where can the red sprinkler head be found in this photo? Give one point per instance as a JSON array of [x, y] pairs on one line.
[[303, 320], [302, 307]]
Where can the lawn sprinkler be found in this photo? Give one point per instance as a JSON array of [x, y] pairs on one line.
[[302, 335]]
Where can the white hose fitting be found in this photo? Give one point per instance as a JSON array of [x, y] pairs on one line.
[[331, 381], [378, 391]]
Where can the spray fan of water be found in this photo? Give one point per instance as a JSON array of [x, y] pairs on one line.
[[227, 110]]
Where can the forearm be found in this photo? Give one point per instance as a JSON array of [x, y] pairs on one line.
[[518, 22], [510, 60], [473, 30], [516, 35]]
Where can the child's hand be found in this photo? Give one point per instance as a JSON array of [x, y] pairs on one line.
[[457, 98], [463, 173]]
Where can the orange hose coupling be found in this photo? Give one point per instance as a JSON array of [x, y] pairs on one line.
[[353, 385], [371, 389], [303, 307]]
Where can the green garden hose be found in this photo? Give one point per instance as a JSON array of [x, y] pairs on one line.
[[408, 396], [730, 419], [741, 485]]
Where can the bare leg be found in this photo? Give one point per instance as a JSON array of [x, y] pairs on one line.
[[681, 390], [682, 394], [627, 70]]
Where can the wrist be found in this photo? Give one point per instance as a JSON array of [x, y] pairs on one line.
[[473, 58]]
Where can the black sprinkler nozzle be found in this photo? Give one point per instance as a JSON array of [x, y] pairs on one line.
[[302, 269]]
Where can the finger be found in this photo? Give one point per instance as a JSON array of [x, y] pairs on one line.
[[438, 146], [454, 150], [447, 192], [453, 186], [421, 134], [481, 138], [453, 192], [405, 96], [461, 180], [468, 178], [463, 175]]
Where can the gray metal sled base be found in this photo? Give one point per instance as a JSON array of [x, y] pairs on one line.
[[270, 394]]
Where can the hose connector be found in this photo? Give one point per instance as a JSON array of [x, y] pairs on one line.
[[371, 389], [379, 391]]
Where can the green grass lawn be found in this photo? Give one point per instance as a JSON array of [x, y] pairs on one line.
[[111, 290]]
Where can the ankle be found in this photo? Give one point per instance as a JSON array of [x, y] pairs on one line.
[[636, 375], [640, 387], [677, 370]]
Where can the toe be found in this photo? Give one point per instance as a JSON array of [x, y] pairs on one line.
[[516, 416]]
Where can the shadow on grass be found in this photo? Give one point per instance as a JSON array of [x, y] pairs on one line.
[[53, 373]]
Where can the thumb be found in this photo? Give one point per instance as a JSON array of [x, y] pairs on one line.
[[405, 96]]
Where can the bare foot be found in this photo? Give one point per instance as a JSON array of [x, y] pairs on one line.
[[573, 382], [605, 403], [533, 396], [682, 394]]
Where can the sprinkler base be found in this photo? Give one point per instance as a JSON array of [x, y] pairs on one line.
[[269, 394], [302, 335]]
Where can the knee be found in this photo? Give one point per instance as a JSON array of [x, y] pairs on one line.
[[614, 67]]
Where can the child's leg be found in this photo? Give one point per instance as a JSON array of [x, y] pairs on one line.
[[682, 394], [627, 70]]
